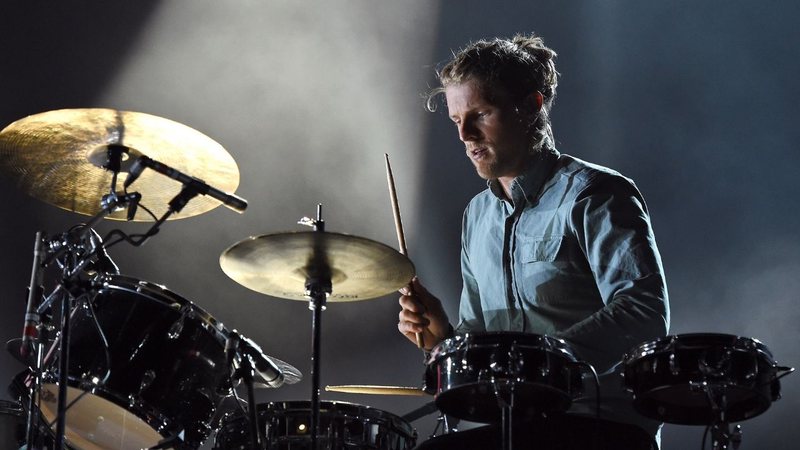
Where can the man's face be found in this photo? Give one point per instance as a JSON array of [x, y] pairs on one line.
[[493, 131]]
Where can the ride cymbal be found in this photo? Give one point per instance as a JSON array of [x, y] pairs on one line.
[[280, 264], [61, 158]]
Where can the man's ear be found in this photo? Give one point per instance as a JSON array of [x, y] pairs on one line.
[[533, 103], [535, 100]]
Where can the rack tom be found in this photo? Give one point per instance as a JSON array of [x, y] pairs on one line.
[[472, 374], [691, 378]]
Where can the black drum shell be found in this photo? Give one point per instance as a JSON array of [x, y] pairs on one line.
[[667, 375], [542, 370], [167, 355], [342, 426]]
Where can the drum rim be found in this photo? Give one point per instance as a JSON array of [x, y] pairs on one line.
[[456, 344], [158, 292], [646, 405], [335, 404], [662, 345]]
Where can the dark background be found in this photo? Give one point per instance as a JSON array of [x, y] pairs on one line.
[[696, 101]]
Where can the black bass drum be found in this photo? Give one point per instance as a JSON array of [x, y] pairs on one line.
[[342, 426], [467, 373], [676, 379], [156, 372]]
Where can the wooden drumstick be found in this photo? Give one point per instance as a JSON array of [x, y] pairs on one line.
[[376, 390], [398, 223]]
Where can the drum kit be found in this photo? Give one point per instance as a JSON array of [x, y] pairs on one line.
[[115, 362]]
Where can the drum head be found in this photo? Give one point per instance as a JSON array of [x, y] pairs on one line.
[[98, 424]]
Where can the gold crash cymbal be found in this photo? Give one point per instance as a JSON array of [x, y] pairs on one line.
[[59, 157], [279, 264], [376, 390]]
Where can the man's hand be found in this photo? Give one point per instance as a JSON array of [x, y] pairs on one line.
[[422, 313]]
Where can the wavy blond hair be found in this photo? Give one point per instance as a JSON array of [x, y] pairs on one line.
[[520, 66]]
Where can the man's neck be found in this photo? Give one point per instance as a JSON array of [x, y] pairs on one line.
[[505, 183]]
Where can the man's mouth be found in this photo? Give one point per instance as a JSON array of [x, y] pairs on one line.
[[478, 154]]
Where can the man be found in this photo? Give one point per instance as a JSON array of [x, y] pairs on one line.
[[554, 246]]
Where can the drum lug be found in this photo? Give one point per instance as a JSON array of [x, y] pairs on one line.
[[516, 363], [673, 366], [147, 379], [133, 401], [177, 328], [89, 382], [697, 386]]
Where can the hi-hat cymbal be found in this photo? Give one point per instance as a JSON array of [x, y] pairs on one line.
[[376, 390], [279, 265], [59, 157]]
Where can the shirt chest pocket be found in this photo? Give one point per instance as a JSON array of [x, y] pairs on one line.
[[539, 249]]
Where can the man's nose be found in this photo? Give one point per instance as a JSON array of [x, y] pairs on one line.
[[467, 132]]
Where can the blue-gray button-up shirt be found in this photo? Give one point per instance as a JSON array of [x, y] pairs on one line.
[[571, 255]]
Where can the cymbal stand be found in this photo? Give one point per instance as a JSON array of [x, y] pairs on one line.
[[318, 287], [32, 320]]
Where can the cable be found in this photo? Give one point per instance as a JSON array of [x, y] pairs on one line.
[[106, 350], [103, 338]]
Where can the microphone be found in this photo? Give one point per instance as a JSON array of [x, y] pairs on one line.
[[266, 368], [136, 169], [133, 204], [32, 319], [232, 201]]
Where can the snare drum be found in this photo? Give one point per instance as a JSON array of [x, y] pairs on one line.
[[342, 426], [167, 368], [676, 379], [469, 373]]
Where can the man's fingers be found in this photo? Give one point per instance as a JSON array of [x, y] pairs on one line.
[[410, 328], [411, 317], [412, 304]]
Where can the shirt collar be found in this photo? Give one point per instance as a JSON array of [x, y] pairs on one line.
[[530, 183]]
